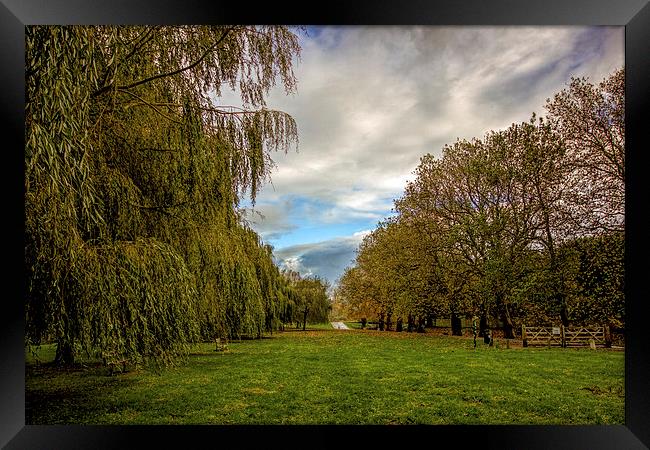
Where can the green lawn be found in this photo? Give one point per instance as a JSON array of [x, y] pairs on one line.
[[348, 377], [319, 326]]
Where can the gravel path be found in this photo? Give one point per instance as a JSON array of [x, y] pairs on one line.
[[340, 326]]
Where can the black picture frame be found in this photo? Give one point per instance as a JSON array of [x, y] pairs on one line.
[[633, 14]]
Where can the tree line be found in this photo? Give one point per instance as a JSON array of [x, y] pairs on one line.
[[525, 225], [134, 243]]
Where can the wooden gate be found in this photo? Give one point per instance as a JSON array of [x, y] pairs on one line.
[[564, 336], [541, 336], [580, 336]]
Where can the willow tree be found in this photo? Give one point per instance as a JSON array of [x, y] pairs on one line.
[[310, 301], [134, 172]]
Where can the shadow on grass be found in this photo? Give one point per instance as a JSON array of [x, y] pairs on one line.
[[66, 395]]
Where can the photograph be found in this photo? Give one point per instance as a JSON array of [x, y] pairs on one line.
[[324, 225], [373, 227]]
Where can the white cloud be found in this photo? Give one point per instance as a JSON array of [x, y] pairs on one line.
[[368, 107], [361, 234], [372, 100], [326, 259]]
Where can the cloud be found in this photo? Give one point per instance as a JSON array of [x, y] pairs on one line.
[[372, 100], [325, 259], [270, 221]]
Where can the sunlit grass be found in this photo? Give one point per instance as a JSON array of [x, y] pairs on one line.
[[342, 377]]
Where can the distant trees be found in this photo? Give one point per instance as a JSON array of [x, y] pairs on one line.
[[313, 304], [505, 227], [354, 293], [133, 174]]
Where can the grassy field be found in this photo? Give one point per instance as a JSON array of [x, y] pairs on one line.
[[326, 376]]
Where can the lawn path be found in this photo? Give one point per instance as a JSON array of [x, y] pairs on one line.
[[340, 326]]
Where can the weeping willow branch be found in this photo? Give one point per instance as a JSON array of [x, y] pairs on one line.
[[167, 74], [149, 104], [134, 247]]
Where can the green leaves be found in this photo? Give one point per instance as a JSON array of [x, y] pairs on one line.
[[504, 225], [133, 244]]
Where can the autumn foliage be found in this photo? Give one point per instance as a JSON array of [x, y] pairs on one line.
[[523, 225]]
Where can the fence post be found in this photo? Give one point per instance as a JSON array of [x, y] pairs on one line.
[[608, 336], [562, 336], [523, 335]]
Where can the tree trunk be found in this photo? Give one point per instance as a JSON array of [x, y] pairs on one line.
[[64, 353], [483, 325], [558, 286], [389, 322], [487, 337], [420, 325], [456, 327], [429, 323], [508, 328], [399, 325], [304, 322], [564, 316], [410, 324], [608, 336], [381, 322]]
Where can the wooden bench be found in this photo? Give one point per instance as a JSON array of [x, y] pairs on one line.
[[221, 345]]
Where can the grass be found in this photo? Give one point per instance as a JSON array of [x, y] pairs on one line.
[[341, 377], [320, 326]]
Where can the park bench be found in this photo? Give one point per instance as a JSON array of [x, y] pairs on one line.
[[221, 345]]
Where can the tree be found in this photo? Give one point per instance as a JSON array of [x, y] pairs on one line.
[[313, 303], [486, 202], [504, 226], [472, 193], [133, 175], [599, 296], [591, 121], [355, 292], [577, 176], [449, 280]]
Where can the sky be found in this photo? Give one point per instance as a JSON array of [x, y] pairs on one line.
[[371, 101]]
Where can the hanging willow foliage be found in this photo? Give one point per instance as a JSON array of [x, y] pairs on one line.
[[134, 247]]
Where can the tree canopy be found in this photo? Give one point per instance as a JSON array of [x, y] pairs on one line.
[[134, 173], [523, 224]]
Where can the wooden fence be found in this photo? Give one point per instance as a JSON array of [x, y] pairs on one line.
[[565, 336]]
